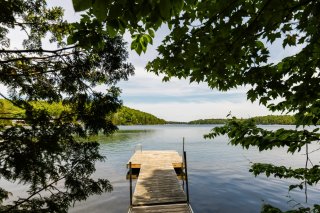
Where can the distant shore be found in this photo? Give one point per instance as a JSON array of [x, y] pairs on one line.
[[266, 120]]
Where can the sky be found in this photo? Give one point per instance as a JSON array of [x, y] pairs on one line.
[[178, 100]]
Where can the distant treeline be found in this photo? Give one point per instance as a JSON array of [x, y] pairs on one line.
[[269, 119], [125, 116], [128, 116]]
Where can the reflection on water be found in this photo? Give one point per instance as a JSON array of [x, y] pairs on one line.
[[219, 180]]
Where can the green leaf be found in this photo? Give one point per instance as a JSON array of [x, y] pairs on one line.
[[70, 40], [177, 6], [115, 11], [111, 31], [138, 48], [151, 33], [100, 9], [165, 7], [81, 5], [143, 42], [260, 44], [148, 38]]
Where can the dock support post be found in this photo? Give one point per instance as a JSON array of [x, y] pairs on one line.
[[130, 174], [186, 171]]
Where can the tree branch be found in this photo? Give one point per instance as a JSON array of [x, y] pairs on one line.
[[34, 58], [38, 50], [35, 193], [12, 118]]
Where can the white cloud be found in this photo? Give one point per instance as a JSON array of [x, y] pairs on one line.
[[144, 83], [178, 99]]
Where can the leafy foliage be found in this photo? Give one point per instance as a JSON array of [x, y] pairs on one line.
[[128, 116], [242, 32], [7, 111], [45, 152], [271, 209], [140, 17], [269, 119], [247, 134], [227, 44], [123, 116]]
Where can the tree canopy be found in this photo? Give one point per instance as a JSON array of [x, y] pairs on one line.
[[227, 44], [128, 116], [268, 119], [46, 150]]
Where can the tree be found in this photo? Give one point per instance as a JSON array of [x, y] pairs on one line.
[[140, 17], [47, 149], [227, 44], [128, 116]]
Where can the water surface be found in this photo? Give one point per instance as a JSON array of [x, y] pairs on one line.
[[219, 180]]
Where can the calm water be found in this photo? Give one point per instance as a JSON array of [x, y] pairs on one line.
[[219, 180]]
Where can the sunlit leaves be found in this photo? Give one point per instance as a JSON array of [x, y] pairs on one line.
[[140, 42], [128, 116]]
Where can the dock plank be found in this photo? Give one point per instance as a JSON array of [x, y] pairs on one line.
[[167, 156], [173, 208], [157, 183], [158, 188]]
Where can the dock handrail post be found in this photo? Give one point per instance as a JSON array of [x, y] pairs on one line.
[[130, 174], [186, 171], [182, 163], [183, 144]]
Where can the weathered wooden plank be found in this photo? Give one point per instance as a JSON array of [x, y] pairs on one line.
[[157, 185], [139, 158], [172, 208]]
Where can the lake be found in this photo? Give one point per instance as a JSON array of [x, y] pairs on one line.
[[219, 180]]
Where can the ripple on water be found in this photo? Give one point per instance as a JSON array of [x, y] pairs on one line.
[[219, 180]]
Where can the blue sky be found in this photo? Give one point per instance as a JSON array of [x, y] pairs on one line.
[[178, 100]]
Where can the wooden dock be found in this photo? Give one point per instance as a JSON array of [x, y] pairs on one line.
[[158, 188]]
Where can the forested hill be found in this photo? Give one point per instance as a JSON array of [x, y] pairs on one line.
[[128, 116], [269, 119], [125, 116]]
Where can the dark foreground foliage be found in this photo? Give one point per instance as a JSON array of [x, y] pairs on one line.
[[44, 153]]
